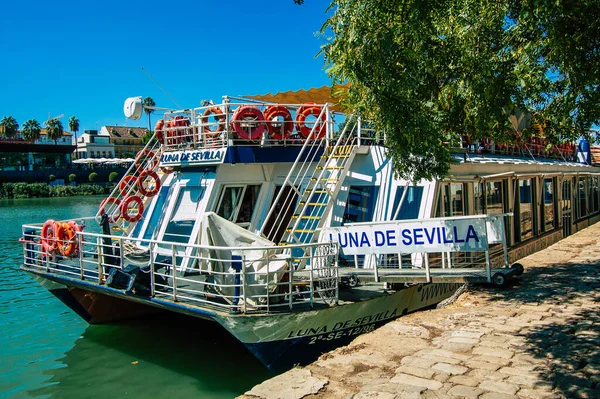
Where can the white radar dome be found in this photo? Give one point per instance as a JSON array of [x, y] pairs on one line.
[[133, 108]]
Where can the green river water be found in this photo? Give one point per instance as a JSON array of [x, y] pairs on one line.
[[47, 351]]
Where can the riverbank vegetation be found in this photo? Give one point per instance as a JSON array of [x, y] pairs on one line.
[[41, 190]]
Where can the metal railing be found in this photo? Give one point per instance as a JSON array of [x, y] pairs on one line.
[[236, 279]]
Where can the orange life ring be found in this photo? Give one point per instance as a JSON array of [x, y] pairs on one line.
[[125, 208], [278, 130], [250, 115], [144, 157], [166, 170], [158, 130], [111, 200], [48, 238], [66, 239], [126, 183], [142, 180], [219, 116], [304, 112]]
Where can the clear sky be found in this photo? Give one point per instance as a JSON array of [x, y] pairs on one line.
[[83, 58]]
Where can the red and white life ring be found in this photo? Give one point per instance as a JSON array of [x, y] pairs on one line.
[[279, 130], [219, 116], [248, 122], [47, 236], [126, 184], [125, 208], [141, 183], [114, 216], [144, 157], [310, 110]]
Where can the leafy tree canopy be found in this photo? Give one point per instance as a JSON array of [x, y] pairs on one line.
[[9, 126], [428, 72]]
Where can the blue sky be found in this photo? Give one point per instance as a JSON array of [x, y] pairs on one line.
[[84, 58]]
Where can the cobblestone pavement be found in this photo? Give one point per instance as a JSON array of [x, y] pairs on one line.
[[538, 338]]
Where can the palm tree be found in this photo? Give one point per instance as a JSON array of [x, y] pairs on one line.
[[74, 127], [31, 130], [148, 103], [54, 129], [10, 127]]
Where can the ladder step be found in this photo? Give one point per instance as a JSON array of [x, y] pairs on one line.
[[307, 217], [307, 191], [334, 156], [299, 231], [332, 179], [330, 167]]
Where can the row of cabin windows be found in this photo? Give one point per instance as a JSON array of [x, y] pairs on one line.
[[490, 197], [237, 204]]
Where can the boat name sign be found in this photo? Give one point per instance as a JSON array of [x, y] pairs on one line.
[[193, 157], [433, 235]]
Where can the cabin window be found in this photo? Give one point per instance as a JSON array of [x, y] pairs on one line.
[[548, 204], [282, 213], [184, 215], [237, 203], [153, 223], [451, 200], [494, 195], [411, 205], [360, 204], [526, 208], [478, 199], [581, 208]]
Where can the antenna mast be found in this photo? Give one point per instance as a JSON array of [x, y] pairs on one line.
[[160, 87]]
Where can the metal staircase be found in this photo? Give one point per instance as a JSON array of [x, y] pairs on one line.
[[324, 183], [147, 159]]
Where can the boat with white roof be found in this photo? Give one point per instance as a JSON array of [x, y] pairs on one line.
[[286, 224]]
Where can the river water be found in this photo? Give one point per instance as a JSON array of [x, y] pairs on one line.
[[47, 351]]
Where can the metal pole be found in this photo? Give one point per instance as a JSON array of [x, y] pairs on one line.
[[427, 272], [152, 277], [173, 271]]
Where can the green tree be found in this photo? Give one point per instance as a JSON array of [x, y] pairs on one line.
[[9, 126], [429, 72], [148, 104], [113, 176], [93, 176], [31, 130], [72, 177], [51, 178], [54, 129], [74, 127]]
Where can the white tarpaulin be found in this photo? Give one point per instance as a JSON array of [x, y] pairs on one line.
[[234, 240], [416, 236]]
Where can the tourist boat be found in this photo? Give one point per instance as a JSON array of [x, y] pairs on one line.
[[285, 224]]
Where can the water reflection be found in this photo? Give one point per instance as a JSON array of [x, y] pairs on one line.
[[159, 358]]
